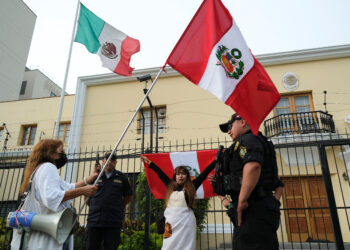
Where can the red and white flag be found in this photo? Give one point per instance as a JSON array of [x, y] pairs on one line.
[[196, 162], [213, 54]]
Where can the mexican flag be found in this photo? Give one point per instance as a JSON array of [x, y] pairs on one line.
[[113, 46], [196, 162], [213, 54]]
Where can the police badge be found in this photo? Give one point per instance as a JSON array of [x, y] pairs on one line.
[[242, 151]]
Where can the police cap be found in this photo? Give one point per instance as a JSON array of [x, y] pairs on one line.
[[107, 154], [224, 126]]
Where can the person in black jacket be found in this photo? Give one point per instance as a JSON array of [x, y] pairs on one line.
[[180, 222], [107, 207], [256, 190]]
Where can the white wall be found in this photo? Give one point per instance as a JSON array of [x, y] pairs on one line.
[[17, 23], [38, 85]]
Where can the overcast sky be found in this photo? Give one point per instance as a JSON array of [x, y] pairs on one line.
[[268, 26]]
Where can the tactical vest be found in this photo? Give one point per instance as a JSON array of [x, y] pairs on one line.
[[227, 181], [228, 176]]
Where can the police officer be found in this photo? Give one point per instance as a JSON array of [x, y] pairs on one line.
[[255, 188], [107, 207]]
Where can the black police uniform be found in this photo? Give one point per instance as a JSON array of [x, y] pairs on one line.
[[260, 220], [106, 212]]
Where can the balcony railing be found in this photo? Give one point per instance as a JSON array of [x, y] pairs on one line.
[[299, 123]]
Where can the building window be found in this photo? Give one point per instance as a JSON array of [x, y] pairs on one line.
[[28, 135], [295, 112], [159, 120], [23, 88], [64, 131]]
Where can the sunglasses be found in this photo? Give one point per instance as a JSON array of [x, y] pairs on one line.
[[229, 127]]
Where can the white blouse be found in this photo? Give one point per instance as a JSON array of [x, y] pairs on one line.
[[49, 190]]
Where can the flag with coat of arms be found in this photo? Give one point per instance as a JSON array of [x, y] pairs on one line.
[[113, 46], [213, 54], [195, 161]]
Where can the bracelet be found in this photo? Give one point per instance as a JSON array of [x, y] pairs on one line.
[[223, 199], [85, 181]]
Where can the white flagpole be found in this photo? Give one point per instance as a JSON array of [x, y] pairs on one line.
[[66, 75]]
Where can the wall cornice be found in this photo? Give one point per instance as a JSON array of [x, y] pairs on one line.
[[305, 55]]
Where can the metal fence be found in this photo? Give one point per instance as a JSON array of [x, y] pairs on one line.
[[315, 212]]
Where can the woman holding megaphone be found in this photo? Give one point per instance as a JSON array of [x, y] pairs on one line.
[[48, 193]]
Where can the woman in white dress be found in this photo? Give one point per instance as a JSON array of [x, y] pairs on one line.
[[180, 222], [48, 192]]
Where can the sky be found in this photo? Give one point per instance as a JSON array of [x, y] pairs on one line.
[[268, 26]]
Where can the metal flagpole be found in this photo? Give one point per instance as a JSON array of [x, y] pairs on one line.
[[66, 75], [121, 138]]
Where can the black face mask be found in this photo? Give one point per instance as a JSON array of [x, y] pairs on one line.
[[61, 161]]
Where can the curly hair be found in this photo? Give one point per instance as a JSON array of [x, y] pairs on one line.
[[42, 152]]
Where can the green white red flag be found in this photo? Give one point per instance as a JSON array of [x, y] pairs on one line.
[[113, 46]]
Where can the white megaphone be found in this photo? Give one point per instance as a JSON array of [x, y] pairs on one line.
[[58, 225]]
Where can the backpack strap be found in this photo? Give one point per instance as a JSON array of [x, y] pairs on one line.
[[28, 189]]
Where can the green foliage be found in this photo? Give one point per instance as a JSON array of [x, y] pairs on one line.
[[79, 241], [5, 234], [2, 225], [157, 206], [134, 239], [200, 212]]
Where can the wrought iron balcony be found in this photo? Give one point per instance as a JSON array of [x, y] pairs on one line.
[[299, 123]]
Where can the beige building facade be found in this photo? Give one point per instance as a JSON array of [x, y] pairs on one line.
[[30, 120]]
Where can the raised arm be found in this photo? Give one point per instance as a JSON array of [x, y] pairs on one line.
[[162, 176], [200, 178]]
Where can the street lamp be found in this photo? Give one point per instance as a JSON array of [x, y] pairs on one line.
[[145, 79]]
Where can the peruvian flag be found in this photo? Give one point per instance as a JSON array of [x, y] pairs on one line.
[[113, 46], [196, 162], [212, 54]]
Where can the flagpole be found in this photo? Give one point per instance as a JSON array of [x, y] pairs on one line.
[[122, 136], [66, 75]]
